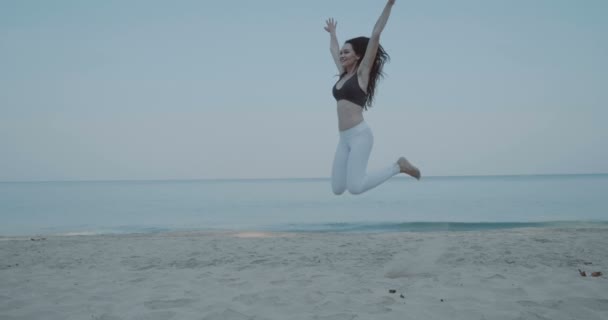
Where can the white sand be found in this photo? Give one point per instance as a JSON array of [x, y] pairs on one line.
[[513, 274]]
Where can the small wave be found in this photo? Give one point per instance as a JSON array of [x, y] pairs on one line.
[[111, 230], [431, 226], [79, 233]]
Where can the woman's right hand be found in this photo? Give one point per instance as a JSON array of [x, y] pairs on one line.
[[331, 25]]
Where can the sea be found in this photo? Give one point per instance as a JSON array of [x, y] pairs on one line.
[[302, 205]]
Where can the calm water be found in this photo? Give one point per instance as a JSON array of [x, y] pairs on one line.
[[435, 203]]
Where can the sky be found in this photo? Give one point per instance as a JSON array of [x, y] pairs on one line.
[[156, 90]]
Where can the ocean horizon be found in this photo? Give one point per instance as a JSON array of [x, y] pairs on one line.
[[555, 175], [436, 203]]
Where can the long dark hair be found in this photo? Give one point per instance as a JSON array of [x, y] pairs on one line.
[[359, 45]]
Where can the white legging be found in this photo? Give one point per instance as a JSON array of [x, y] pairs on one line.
[[350, 162]]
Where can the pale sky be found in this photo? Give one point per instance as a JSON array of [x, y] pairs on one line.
[[121, 90]]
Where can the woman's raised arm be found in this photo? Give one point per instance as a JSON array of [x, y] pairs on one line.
[[374, 41], [334, 46]]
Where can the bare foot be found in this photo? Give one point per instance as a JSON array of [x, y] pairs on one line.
[[407, 168]]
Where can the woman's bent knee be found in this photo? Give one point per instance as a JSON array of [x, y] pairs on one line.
[[338, 190], [356, 190]]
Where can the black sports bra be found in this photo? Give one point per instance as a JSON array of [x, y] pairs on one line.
[[350, 91]]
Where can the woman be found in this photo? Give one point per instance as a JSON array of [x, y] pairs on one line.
[[360, 65]]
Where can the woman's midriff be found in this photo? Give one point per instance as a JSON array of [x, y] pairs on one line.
[[349, 115]]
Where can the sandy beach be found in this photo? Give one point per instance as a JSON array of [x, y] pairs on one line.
[[498, 274]]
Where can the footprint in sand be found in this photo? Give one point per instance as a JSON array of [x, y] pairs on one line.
[[550, 304], [496, 276], [228, 314], [159, 315], [250, 299], [591, 303], [167, 304], [598, 305], [106, 316], [339, 316]]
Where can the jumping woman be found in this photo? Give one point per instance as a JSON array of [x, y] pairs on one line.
[[359, 63]]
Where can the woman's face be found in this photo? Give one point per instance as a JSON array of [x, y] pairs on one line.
[[348, 57]]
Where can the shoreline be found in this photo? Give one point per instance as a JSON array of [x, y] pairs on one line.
[[331, 227]]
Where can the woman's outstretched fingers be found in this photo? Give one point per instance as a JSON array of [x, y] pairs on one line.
[[331, 25]]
